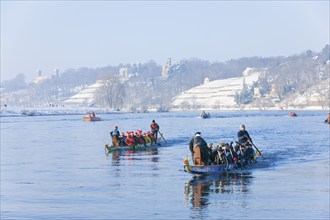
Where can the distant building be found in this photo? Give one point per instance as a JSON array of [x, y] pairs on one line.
[[40, 78], [123, 72], [166, 68], [274, 90], [57, 73]]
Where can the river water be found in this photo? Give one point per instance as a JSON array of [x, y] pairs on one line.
[[55, 167]]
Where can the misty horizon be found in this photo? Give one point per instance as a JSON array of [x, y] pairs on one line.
[[42, 35]]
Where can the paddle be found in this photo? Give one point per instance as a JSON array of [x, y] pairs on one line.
[[256, 148], [161, 135], [105, 146]]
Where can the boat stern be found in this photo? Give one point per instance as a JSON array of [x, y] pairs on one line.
[[186, 164]]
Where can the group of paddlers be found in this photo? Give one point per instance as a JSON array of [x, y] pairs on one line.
[[133, 138], [223, 154]]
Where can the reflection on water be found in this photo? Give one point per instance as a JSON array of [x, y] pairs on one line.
[[133, 154], [200, 187]]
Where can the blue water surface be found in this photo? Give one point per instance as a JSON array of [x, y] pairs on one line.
[[55, 167]]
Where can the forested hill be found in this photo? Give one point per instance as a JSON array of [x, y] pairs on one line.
[[151, 84]]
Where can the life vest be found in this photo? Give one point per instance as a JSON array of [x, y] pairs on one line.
[[152, 137], [154, 126], [130, 141], [140, 139], [147, 139]]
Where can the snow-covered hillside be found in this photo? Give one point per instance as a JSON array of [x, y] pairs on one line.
[[217, 94], [85, 97]]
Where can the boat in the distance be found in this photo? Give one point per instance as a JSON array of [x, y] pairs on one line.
[[205, 115], [91, 117], [88, 118], [293, 114]]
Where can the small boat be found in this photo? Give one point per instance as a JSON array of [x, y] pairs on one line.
[[28, 113], [205, 115], [91, 118], [293, 114]]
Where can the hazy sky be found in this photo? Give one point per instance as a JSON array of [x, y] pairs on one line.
[[70, 34]]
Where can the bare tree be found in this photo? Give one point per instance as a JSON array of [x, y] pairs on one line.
[[112, 93]]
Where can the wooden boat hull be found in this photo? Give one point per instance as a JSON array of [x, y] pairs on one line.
[[110, 149], [87, 118], [206, 169], [209, 169]]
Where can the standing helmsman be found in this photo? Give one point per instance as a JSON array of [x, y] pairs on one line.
[[154, 129], [243, 136], [115, 136]]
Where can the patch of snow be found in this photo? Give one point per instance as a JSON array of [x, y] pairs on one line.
[[85, 96], [216, 94]]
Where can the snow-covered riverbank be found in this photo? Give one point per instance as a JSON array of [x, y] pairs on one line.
[[38, 111], [29, 111]]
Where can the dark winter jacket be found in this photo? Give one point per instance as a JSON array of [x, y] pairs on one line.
[[243, 136]]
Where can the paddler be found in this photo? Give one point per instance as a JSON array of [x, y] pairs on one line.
[[200, 152]]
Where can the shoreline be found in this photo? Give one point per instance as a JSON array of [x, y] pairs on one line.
[[38, 111]]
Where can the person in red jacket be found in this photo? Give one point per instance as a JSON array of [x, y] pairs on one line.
[[154, 129], [130, 141]]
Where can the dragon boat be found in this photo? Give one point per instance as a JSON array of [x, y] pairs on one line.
[[226, 166], [212, 169], [110, 148], [137, 146], [139, 142]]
